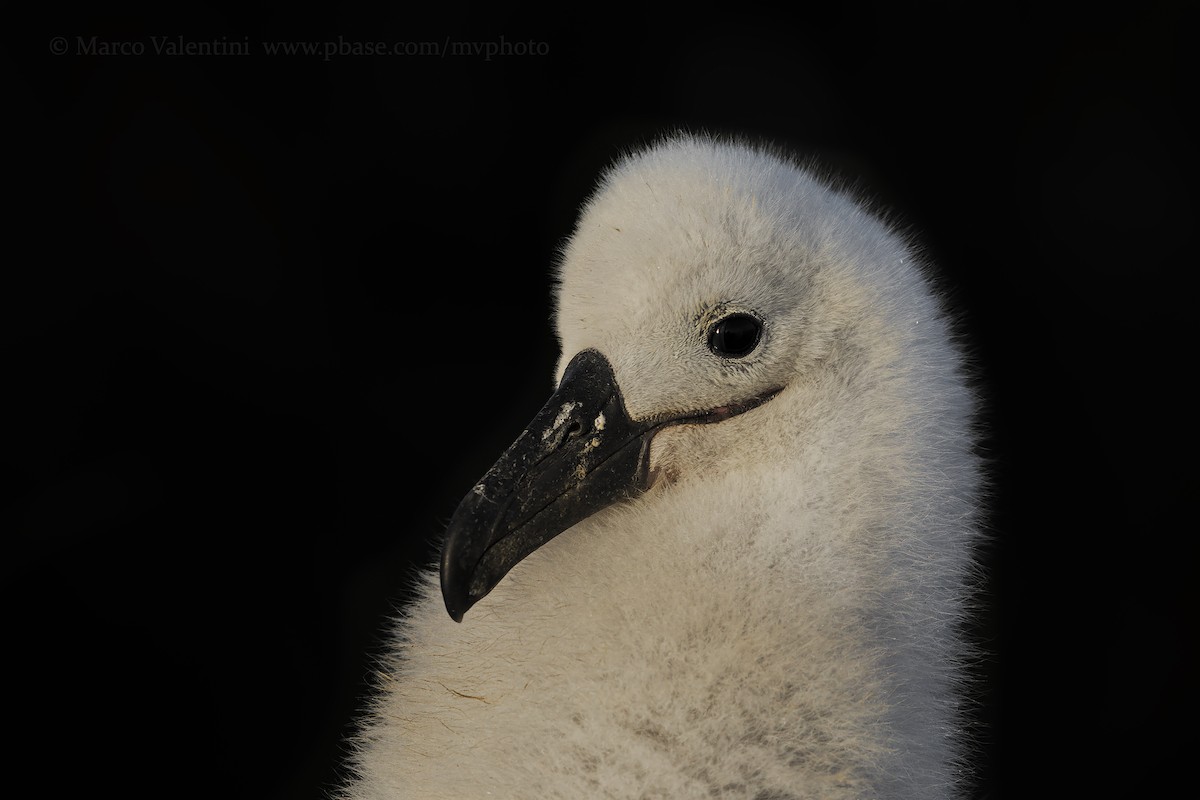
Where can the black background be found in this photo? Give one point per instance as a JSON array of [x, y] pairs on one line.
[[275, 314]]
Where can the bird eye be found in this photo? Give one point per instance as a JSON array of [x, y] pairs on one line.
[[735, 336]]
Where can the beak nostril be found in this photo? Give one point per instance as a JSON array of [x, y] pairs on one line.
[[574, 429]]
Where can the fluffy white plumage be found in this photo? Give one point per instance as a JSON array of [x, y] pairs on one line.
[[777, 617]]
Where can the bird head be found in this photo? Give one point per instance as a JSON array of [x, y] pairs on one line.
[[709, 289]]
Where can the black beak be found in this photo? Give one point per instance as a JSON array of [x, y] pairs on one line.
[[580, 453]]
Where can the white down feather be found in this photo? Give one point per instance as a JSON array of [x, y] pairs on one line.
[[778, 617]]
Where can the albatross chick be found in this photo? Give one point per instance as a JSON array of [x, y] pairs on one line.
[[730, 557]]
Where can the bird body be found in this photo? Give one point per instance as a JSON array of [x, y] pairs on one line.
[[774, 611]]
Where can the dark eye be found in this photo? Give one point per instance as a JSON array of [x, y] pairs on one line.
[[734, 336]]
